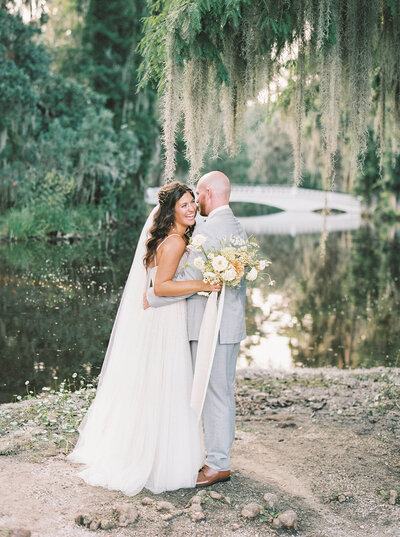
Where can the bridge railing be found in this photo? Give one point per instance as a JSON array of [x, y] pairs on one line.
[[259, 193]]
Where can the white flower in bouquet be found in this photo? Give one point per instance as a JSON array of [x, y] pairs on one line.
[[237, 241], [197, 242], [229, 253], [219, 263], [229, 275], [199, 263], [252, 275], [210, 277], [262, 264]]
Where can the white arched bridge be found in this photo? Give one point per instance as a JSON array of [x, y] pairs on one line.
[[299, 206]]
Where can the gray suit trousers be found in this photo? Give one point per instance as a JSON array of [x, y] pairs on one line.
[[219, 406]]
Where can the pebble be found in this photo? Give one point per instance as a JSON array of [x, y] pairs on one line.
[[235, 527], [146, 501], [215, 495], [227, 499], [202, 493], [127, 514], [196, 516], [195, 507], [196, 499], [251, 510], [270, 499], [167, 516], [288, 519], [393, 495], [95, 525], [341, 498], [107, 524], [83, 520], [164, 506]]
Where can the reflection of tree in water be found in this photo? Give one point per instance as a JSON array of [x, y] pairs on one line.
[[380, 302], [254, 319], [347, 304], [57, 306]]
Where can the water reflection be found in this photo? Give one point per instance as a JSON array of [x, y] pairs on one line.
[[340, 310], [58, 302], [57, 306]]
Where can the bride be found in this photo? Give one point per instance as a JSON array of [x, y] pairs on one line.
[[140, 430]]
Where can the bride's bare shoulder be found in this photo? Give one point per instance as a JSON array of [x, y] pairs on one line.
[[172, 245]]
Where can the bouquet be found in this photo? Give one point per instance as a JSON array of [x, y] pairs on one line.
[[230, 263]]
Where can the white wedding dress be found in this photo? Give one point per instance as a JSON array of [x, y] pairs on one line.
[[140, 430]]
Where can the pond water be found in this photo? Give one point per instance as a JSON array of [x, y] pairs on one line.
[[58, 302]]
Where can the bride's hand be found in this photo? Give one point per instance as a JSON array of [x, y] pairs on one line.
[[145, 302], [213, 287]]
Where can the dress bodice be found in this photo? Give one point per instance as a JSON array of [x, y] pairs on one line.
[[179, 270]]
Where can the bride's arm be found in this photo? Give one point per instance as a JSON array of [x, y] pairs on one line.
[[168, 258]]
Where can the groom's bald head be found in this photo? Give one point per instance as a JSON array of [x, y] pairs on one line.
[[213, 190]]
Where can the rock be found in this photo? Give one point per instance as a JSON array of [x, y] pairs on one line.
[[106, 524], [393, 495], [227, 499], [167, 516], [126, 514], [288, 519], [341, 498], [164, 506], [195, 507], [318, 405], [251, 510], [83, 520], [270, 499], [195, 500], [276, 523], [196, 516], [95, 525], [146, 501], [215, 495], [202, 493]]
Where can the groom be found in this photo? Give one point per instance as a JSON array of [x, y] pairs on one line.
[[213, 193]]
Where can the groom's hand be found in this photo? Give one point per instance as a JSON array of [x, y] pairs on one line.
[[145, 302]]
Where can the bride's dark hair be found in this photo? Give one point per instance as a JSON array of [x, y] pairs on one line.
[[164, 218]]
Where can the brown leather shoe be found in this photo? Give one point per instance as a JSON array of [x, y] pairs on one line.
[[207, 476]]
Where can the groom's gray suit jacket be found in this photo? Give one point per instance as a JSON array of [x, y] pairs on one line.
[[216, 228]]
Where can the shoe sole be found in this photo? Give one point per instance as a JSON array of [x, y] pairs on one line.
[[213, 483]]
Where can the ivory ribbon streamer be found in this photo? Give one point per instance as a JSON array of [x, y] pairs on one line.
[[208, 338]]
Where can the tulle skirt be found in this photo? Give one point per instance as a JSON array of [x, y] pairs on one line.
[[140, 430]]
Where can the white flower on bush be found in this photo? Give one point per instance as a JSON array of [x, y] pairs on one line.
[[229, 275], [252, 275], [197, 242], [219, 263], [199, 263]]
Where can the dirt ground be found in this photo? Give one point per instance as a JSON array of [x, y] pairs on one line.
[[325, 441]]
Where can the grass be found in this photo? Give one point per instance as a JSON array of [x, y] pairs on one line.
[[49, 419], [43, 221]]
